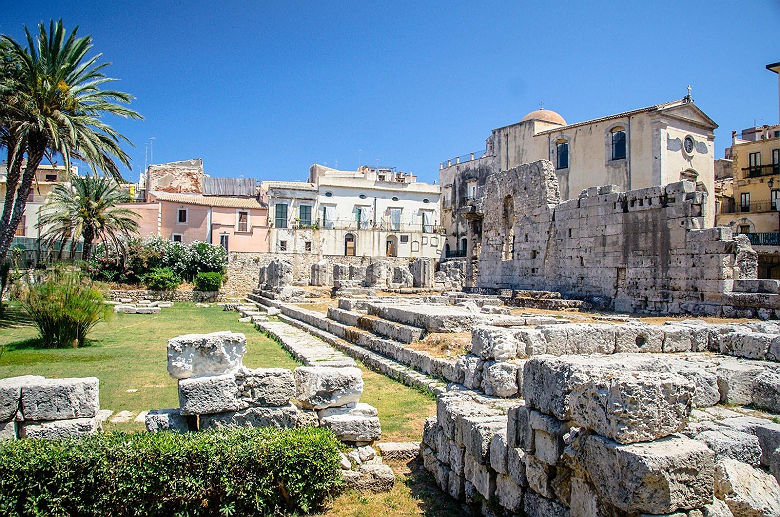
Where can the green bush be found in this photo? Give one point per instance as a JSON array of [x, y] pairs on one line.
[[258, 471], [208, 281], [64, 307], [162, 279]]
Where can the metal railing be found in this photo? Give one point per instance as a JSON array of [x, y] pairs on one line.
[[476, 155], [764, 239], [753, 206], [455, 254], [755, 171], [352, 224]]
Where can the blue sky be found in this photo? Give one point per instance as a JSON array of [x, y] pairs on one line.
[[261, 89]]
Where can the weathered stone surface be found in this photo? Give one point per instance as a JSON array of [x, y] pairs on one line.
[[500, 378], [717, 509], [359, 409], [371, 478], [8, 430], [286, 417], [481, 476], [633, 406], [266, 386], [320, 273], [766, 391], [515, 465], [496, 343], [657, 477], [11, 394], [204, 395], [320, 387], [747, 344], [498, 452], [536, 505], [539, 474], [197, 355], [509, 494], [58, 399], [395, 451], [353, 428], [747, 491], [167, 420], [736, 445], [735, 381], [56, 429], [633, 337]]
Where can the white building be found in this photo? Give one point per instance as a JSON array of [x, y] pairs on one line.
[[370, 212]]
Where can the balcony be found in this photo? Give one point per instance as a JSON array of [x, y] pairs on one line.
[[763, 239], [756, 171], [455, 254], [752, 207]]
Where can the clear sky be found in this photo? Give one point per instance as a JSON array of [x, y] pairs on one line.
[[264, 89]]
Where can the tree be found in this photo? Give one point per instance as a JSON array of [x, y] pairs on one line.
[[51, 103], [87, 209]]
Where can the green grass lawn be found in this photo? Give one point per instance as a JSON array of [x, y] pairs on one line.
[[128, 352]]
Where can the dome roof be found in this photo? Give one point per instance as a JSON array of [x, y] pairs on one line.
[[545, 116]]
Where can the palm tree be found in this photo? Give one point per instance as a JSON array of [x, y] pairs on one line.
[[87, 209], [51, 104]]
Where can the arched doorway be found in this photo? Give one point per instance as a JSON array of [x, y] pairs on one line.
[[349, 245], [464, 245], [391, 246]]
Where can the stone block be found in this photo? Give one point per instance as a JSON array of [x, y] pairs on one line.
[[57, 429], [359, 409], [633, 337], [735, 382], [206, 395], [168, 420], [766, 391], [11, 394], [515, 465], [658, 477], [455, 485], [478, 432], [500, 378], [539, 475], [496, 343], [353, 428], [59, 399], [8, 430], [498, 453], [548, 382], [320, 387], [677, 338], [747, 491], [518, 432], [284, 417], [396, 451], [481, 476], [198, 355], [509, 493], [747, 344], [266, 386], [536, 505], [736, 445]]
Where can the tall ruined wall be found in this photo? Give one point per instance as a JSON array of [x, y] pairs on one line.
[[178, 177], [641, 250]]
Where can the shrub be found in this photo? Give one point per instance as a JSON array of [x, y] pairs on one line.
[[162, 279], [208, 281], [64, 308], [256, 471]]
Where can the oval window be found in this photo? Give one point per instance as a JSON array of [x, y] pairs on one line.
[[426, 200], [362, 196], [395, 198], [328, 194]]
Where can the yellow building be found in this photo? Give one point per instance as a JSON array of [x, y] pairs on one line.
[[755, 209]]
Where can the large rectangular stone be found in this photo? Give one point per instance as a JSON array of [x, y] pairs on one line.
[[196, 355], [674, 473], [266, 386], [320, 387], [11, 394], [168, 420], [60, 399], [206, 395], [57, 429], [286, 417], [8, 430]]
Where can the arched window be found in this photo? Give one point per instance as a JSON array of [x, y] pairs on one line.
[[562, 154], [349, 245], [618, 143]]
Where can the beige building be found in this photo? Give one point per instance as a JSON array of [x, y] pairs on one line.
[[651, 146]]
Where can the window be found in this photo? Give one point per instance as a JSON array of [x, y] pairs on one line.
[[395, 198], [774, 196], [20, 229], [243, 221], [562, 155], [427, 221], [280, 216], [51, 177], [362, 215], [426, 200], [395, 219], [328, 194], [754, 164], [775, 161], [327, 217], [282, 245], [618, 144], [307, 246], [744, 202], [304, 214], [744, 228], [176, 237], [223, 241], [471, 190], [464, 243], [362, 196], [404, 239], [181, 216], [349, 245]]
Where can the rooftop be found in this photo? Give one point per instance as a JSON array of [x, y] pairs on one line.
[[217, 201]]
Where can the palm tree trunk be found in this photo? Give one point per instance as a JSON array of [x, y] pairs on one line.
[[7, 232], [14, 169], [89, 235]]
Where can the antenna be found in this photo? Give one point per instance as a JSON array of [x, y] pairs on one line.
[[151, 149], [541, 105]]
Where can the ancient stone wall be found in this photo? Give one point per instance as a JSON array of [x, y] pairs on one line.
[[178, 177], [642, 250]]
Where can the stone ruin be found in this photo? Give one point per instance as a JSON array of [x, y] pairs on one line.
[[612, 420], [32, 406], [643, 250], [276, 280], [216, 391], [126, 306]]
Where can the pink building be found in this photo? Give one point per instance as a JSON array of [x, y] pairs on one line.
[[235, 223]]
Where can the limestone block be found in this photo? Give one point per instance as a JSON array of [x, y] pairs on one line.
[[498, 453], [735, 382], [320, 273], [455, 485], [747, 491], [353, 428], [472, 371], [774, 464], [167, 420], [496, 343], [56, 429], [509, 493], [548, 382], [286, 417], [585, 502], [11, 394], [515, 465], [656, 477], [478, 432], [632, 407], [205, 395], [481, 476], [8, 430], [530, 342], [320, 387], [717, 509], [518, 432], [677, 338], [768, 434], [705, 381], [536, 505], [736, 445], [539, 475], [58, 399], [359, 409], [500, 378], [766, 391], [374, 478], [633, 337], [197, 355], [747, 344], [577, 338], [394, 451], [265, 386]]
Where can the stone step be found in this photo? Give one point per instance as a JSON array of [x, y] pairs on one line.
[[382, 327]]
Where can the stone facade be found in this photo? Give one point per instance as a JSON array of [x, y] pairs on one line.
[[638, 251]]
